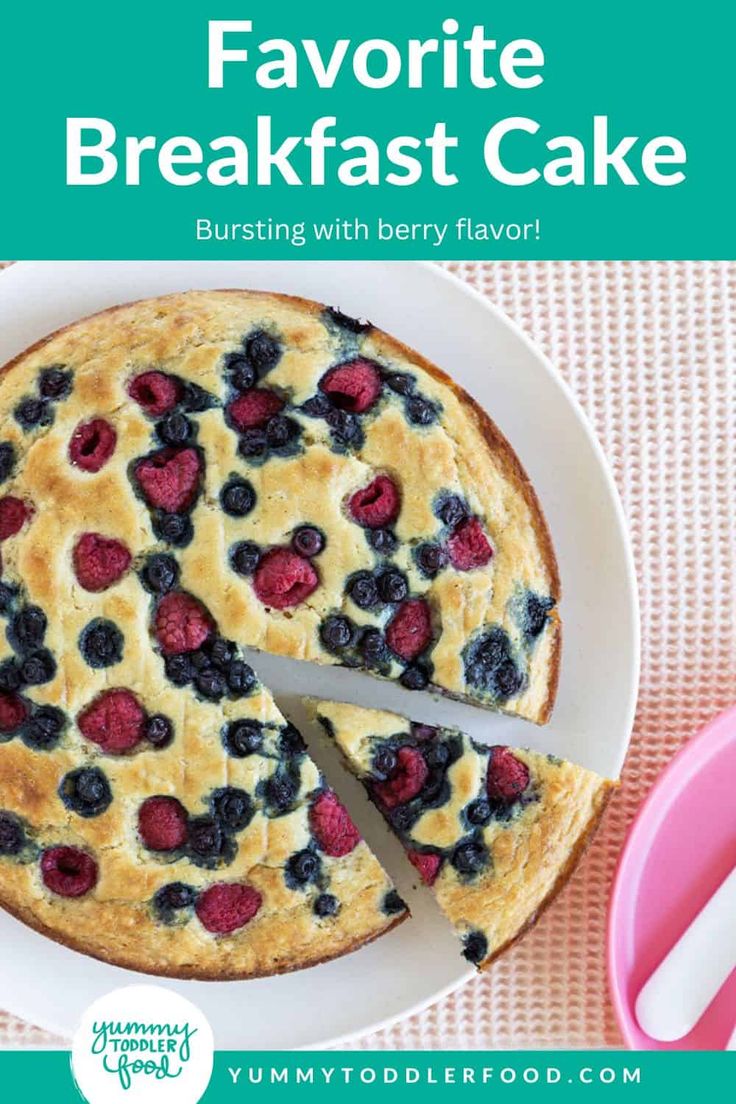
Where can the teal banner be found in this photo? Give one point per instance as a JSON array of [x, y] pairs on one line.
[[381, 130], [321, 1077]]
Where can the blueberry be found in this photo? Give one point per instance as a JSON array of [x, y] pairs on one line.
[[415, 677], [195, 399], [211, 683], [280, 791], [244, 557], [159, 730], [422, 732], [174, 529], [489, 665], [291, 741], [12, 836], [393, 903], [253, 442], [431, 558], [39, 667], [233, 808], [237, 497], [221, 653], [452, 510], [262, 351], [345, 322], [243, 738], [436, 790], [241, 678], [172, 897], [7, 460], [345, 427], [476, 947], [308, 541], [373, 647], [478, 812], [420, 411], [318, 406], [382, 541], [393, 585], [470, 857], [536, 614], [337, 632], [384, 763], [54, 382], [208, 845], [8, 594], [401, 383], [160, 573], [326, 905], [101, 643], [27, 628], [280, 430], [86, 791], [363, 590], [31, 412], [437, 754], [242, 373], [402, 818], [301, 868], [174, 429], [42, 731], [179, 669], [10, 676]]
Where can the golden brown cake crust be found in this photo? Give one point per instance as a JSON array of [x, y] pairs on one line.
[[533, 844]]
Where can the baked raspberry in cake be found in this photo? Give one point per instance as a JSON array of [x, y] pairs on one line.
[[495, 831]]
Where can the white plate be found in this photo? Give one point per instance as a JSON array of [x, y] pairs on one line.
[[454, 326]]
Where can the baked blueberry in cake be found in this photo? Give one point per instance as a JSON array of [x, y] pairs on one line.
[[495, 831]]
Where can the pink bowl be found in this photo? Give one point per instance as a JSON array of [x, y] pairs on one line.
[[679, 849]]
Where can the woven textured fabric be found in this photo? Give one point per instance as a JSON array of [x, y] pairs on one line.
[[650, 351]]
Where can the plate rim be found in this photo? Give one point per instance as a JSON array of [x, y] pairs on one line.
[[460, 285]]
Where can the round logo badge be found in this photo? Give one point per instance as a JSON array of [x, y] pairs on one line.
[[143, 1045]]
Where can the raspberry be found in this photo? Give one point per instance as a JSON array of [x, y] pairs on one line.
[[162, 823], [14, 513], [405, 781], [92, 444], [156, 392], [181, 623], [284, 579], [507, 776], [254, 408], [13, 712], [99, 561], [169, 479], [68, 871], [114, 721], [354, 386], [376, 505], [332, 827], [469, 546], [427, 863], [227, 906], [410, 629]]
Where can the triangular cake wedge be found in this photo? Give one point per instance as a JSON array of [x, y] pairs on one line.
[[330, 494], [495, 831]]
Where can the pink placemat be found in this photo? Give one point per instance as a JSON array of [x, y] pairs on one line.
[[650, 351]]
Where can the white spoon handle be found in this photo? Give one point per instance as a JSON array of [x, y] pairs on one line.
[[688, 978]]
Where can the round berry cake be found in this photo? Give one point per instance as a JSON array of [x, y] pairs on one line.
[[495, 831], [186, 476]]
